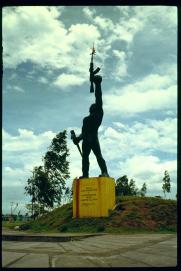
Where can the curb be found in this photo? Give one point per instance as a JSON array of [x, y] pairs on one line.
[[40, 238]]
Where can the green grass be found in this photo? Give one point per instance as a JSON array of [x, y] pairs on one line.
[[131, 215], [12, 224]]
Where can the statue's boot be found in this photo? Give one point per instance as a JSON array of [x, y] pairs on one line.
[[104, 174], [83, 177]]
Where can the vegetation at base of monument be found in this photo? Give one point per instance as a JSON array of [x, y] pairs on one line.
[[47, 183], [12, 224], [133, 214], [128, 188]]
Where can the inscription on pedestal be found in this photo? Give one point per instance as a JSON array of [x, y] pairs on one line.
[[89, 196]]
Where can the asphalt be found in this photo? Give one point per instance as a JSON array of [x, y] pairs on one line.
[[88, 250]]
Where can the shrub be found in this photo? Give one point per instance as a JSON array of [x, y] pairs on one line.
[[24, 227], [63, 228], [100, 228]]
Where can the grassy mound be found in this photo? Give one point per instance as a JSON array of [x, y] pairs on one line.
[[132, 214]]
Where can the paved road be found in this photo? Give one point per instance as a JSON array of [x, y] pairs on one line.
[[112, 250]]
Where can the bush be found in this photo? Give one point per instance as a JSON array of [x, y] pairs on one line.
[[100, 228], [63, 228], [24, 227]]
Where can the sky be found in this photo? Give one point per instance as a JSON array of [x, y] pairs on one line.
[[46, 57]]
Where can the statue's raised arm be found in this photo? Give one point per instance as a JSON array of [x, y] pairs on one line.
[[98, 91]]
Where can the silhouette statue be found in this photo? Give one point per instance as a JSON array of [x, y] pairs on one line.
[[89, 135]]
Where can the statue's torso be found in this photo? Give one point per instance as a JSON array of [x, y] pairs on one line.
[[91, 125]]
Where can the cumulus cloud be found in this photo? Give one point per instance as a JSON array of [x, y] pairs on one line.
[[43, 80], [121, 65], [126, 30], [21, 153], [153, 92], [25, 141], [135, 102], [43, 39], [15, 88], [103, 23], [27, 37], [152, 136], [67, 80], [89, 12], [165, 14], [14, 176]]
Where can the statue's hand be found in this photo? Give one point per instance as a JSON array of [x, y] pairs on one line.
[[97, 79]]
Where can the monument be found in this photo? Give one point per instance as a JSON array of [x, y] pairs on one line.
[[92, 196]]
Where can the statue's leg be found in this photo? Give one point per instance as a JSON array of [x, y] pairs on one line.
[[85, 158], [101, 162]]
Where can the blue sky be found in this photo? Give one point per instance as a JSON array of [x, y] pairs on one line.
[[46, 56]]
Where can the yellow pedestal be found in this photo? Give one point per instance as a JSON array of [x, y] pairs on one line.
[[93, 197]]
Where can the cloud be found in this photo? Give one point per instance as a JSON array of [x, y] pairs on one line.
[[25, 141], [126, 30], [42, 38], [21, 153], [121, 66], [153, 92], [43, 80], [27, 37], [135, 102], [14, 176], [165, 14], [105, 24], [89, 12], [15, 88], [19, 89], [153, 136], [144, 166], [68, 80]]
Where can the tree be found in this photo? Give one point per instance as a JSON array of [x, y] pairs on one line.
[[166, 183], [31, 190], [40, 189], [68, 194], [45, 192], [48, 181], [122, 186], [132, 190], [143, 190], [56, 164], [126, 188]]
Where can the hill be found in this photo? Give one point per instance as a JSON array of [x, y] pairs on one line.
[[132, 214]]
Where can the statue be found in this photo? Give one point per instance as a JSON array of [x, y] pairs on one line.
[[91, 124]]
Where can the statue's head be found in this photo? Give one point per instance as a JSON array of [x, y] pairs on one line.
[[93, 109]]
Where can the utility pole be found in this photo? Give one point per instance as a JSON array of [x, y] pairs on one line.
[[11, 203]]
